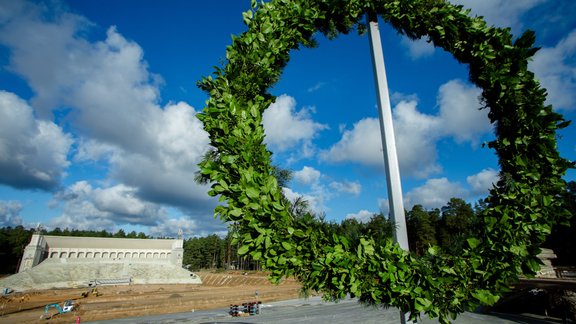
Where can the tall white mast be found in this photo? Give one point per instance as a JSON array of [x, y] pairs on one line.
[[388, 139]]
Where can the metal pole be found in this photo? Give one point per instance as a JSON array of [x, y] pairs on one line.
[[388, 140]]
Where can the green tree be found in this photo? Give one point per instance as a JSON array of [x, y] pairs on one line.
[[563, 237], [480, 206], [205, 253], [299, 208], [213, 249], [458, 222], [193, 254], [421, 229], [13, 241], [283, 176], [380, 228], [352, 229], [120, 234]]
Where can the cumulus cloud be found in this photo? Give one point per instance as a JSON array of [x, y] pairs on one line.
[[434, 193], [121, 202], [307, 175], [555, 67], [10, 213], [362, 216], [483, 181], [384, 205], [418, 48], [101, 208], [170, 162], [112, 103], [460, 113], [360, 144], [500, 13], [315, 200], [318, 189], [85, 206], [88, 149], [33, 153], [108, 208], [106, 83], [171, 226], [416, 133], [287, 128], [346, 187]]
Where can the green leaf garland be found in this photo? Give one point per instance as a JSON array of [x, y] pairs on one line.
[[522, 207]]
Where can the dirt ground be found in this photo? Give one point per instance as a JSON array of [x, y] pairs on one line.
[[218, 290]]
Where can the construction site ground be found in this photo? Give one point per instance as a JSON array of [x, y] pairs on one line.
[[218, 290]]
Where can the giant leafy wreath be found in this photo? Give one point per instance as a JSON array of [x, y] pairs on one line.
[[522, 207]]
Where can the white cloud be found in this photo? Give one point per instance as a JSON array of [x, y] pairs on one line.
[[10, 213], [33, 153], [316, 87], [92, 150], [346, 187], [361, 144], [460, 113], [418, 48], [287, 128], [111, 208], [78, 210], [500, 13], [434, 193], [362, 216], [171, 226], [555, 67], [108, 85], [103, 208], [290, 194], [416, 133], [112, 102], [122, 202], [397, 97], [307, 175], [319, 189], [315, 200], [483, 181], [384, 206], [170, 162]]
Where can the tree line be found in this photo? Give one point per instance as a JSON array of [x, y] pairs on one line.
[[447, 227], [214, 252], [13, 241]]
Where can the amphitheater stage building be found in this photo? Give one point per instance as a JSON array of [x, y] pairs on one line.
[[67, 262]]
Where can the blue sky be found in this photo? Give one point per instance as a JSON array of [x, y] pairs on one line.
[[98, 102]]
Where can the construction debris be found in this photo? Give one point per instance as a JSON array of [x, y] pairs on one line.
[[247, 309]]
